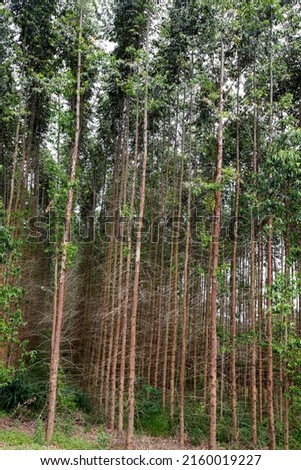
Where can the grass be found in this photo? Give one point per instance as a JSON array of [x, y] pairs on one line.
[[73, 443], [13, 438], [156, 425], [16, 439]]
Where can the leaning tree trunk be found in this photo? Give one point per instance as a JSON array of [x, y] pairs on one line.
[[56, 341]]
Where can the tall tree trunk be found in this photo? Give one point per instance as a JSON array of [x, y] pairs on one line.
[[13, 175], [215, 254], [186, 291], [133, 319], [269, 283], [176, 272], [127, 280], [252, 296], [234, 276], [55, 354]]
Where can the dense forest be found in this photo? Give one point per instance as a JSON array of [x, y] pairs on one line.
[[150, 205]]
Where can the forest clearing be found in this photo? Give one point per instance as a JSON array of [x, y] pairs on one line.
[[150, 224]]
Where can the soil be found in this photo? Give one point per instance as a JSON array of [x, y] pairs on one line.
[[141, 441]]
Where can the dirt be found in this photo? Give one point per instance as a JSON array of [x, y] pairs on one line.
[[144, 442], [141, 441], [11, 424]]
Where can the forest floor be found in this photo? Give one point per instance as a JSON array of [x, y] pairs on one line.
[[21, 433]]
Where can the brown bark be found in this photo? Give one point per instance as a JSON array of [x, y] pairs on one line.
[[252, 298], [185, 315], [13, 176], [127, 281], [233, 278], [176, 275], [121, 229], [133, 320], [55, 354], [215, 254], [270, 380], [269, 283]]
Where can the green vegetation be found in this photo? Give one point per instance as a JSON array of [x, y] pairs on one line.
[[70, 437], [21, 440]]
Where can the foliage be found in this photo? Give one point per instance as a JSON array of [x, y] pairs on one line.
[[196, 422], [12, 438], [103, 439], [11, 293], [39, 435], [149, 415], [22, 391], [20, 440]]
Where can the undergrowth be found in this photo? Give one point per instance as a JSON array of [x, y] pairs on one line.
[[25, 398]]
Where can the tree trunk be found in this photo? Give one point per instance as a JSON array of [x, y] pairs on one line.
[[132, 354], [185, 315], [215, 254], [233, 279], [270, 388], [55, 354], [252, 297]]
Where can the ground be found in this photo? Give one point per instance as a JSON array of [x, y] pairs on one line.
[[21, 433]]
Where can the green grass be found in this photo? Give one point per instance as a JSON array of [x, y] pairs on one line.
[[72, 443], [14, 439], [156, 425]]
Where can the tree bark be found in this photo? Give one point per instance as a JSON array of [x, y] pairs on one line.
[[133, 333], [215, 255], [55, 354]]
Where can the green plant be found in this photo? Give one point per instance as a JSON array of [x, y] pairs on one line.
[[11, 294], [38, 437], [17, 392], [103, 439], [83, 401], [70, 443], [66, 396], [149, 416], [67, 426], [15, 438], [196, 422]]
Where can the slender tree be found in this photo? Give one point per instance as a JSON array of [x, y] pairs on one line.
[[55, 353]]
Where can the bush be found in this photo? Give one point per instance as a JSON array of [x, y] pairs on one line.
[[196, 422], [149, 415], [103, 439], [39, 432], [83, 401], [22, 391]]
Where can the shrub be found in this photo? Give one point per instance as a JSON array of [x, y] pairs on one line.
[[103, 439], [196, 422], [39, 432], [22, 390], [149, 415]]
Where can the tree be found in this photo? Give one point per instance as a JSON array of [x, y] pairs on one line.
[[57, 324]]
